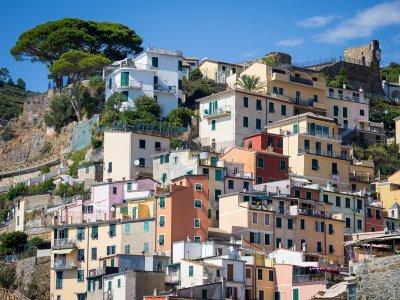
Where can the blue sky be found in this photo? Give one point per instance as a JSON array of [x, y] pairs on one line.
[[231, 31]]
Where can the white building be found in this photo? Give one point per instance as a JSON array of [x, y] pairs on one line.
[[155, 73]]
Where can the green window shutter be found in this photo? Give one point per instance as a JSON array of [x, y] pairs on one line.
[[161, 159], [283, 165], [119, 283], [146, 226], [209, 213], [218, 175], [167, 158], [260, 162], [213, 161], [306, 145], [164, 177], [295, 128], [246, 186], [213, 125], [124, 78], [129, 186], [190, 271], [162, 202]]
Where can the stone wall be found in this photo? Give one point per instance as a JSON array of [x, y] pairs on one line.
[[33, 277], [379, 278]]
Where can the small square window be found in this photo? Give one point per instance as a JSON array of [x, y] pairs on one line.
[[198, 203], [196, 223], [198, 187], [142, 144]]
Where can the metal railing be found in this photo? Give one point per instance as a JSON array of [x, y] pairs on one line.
[[300, 80], [362, 176], [170, 89], [130, 84], [341, 155], [217, 112], [211, 163], [63, 263], [331, 60], [304, 102], [64, 243], [347, 97]]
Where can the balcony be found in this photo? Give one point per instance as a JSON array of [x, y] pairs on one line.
[[295, 210], [326, 153], [126, 64], [131, 84], [279, 76], [63, 264], [173, 278], [168, 89], [217, 113], [64, 243], [212, 163], [300, 80], [362, 176], [243, 175], [347, 97]]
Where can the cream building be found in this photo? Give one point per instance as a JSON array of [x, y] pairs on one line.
[[127, 154], [314, 147], [217, 70], [77, 248]]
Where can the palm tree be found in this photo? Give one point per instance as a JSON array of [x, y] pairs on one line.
[[251, 83]]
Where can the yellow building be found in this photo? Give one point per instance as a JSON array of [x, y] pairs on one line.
[[362, 174], [139, 208], [314, 147], [217, 70], [389, 191], [77, 248]]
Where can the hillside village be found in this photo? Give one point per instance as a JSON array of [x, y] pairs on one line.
[[189, 179]]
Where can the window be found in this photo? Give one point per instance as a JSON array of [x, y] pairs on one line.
[[283, 110], [331, 250], [146, 247], [198, 203], [119, 283], [154, 62], [161, 221], [267, 239], [325, 198], [110, 285], [271, 108], [378, 214], [338, 201], [295, 293], [190, 271], [314, 165], [109, 170], [348, 223], [197, 239], [128, 228], [289, 243], [347, 202], [319, 247], [95, 232], [230, 184], [161, 159], [359, 224], [142, 162], [180, 65], [295, 128], [129, 186], [87, 169], [248, 273], [204, 294], [142, 144], [124, 79], [302, 224], [277, 296], [161, 241], [218, 175], [110, 250], [81, 276], [217, 193], [258, 105], [114, 190], [255, 237], [59, 280], [213, 125], [180, 84], [330, 230], [245, 122], [260, 162], [279, 222], [278, 243], [109, 83], [80, 236], [259, 180], [280, 91], [196, 223], [297, 193], [81, 255], [206, 171], [308, 195], [146, 226], [280, 142], [259, 274], [283, 165], [162, 202], [362, 113], [334, 169], [198, 187], [94, 253], [373, 229], [336, 110], [319, 226], [258, 124], [359, 204], [127, 249], [275, 90], [255, 218], [271, 275], [246, 185], [369, 212], [112, 230], [266, 219], [157, 145], [245, 102], [344, 112], [290, 224]]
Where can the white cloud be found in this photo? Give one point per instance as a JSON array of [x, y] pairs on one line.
[[290, 43], [363, 24], [317, 21]]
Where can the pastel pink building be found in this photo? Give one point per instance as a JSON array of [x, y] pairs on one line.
[[237, 178], [104, 197]]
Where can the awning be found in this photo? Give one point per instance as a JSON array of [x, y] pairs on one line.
[[62, 251]]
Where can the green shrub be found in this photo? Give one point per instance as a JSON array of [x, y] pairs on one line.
[[44, 169]]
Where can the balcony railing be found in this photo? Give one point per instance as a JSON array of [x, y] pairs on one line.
[[301, 80], [211, 162], [340, 155], [169, 89], [219, 112], [295, 210], [362, 176], [64, 243], [347, 97], [130, 84], [172, 278], [63, 263], [305, 131], [246, 175], [303, 102]]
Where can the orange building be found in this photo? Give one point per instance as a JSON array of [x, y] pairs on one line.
[[182, 212]]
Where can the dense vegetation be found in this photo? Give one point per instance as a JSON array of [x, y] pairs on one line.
[[391, 73], [197, 87]]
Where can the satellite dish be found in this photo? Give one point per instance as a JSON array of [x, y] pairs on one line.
[[113, 208], [136, 162]]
